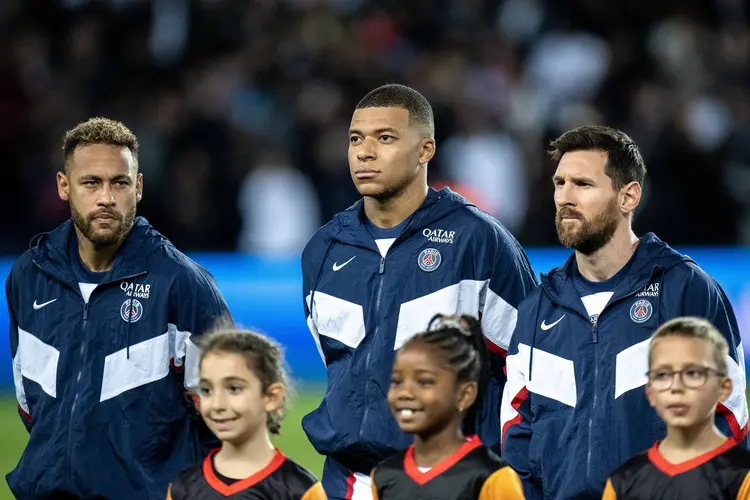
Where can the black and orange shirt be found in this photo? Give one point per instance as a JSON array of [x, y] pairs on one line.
[[473, 472], [719, 474], [281, 479]]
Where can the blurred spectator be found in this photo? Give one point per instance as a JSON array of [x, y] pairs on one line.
[[210, 86]]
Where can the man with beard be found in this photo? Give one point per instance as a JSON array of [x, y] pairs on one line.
[[574, 407], [104, 315]]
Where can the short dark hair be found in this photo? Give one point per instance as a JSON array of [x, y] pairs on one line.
[[401, 96], [264, 357], [624, 161], [99, 131]]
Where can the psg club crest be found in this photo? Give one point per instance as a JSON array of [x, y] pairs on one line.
[[641, 311], [131, 313], [429, 260]]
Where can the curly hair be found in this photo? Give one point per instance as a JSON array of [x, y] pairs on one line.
[[99, 131], [263, 356]]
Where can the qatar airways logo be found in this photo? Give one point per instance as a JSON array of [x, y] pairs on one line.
[[439, 235]]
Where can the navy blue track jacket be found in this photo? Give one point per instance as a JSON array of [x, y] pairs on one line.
[[574, 407], [100, 380], [361, 307]]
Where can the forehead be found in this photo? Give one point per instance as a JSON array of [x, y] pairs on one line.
[[421, 355], [376, 118], [101, 158], [582, 163], [678, 350], [220, 365]]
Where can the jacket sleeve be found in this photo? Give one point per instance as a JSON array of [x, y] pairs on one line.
[[308, 294], [196, 307], [511, 279], [515, 410], [705, 298], [15, 352]]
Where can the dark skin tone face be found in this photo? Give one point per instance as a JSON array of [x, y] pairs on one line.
[[428, 401], [388, 159]]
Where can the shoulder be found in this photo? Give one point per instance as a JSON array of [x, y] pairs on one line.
[[530, 303], [629, 468], [168, 263], [486, 459], [297, 475], [392, 463], [22, 264], [186, 482], [738, 458], [320, 239]]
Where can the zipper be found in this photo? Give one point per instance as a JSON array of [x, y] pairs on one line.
[[595, 338], [81, 354], [595, 341], [381, 271]]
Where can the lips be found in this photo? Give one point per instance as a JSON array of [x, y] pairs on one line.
[[365, 174], [224, 423], [104, 216], [678, 408]]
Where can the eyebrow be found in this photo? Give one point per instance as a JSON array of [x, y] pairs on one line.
[[376, 132], [573, 178], [225, 379]]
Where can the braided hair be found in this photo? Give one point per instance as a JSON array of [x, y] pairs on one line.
[[460, 340]]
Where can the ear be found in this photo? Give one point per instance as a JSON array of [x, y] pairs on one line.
[[275, 396], [138, 187], [466, 395], [63, 186], [726, 389], [426, 151], [650, 396], [630, 197]]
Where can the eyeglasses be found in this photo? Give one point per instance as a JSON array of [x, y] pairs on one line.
[[694, 377]]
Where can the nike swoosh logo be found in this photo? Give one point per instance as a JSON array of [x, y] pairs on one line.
[[39, 306], [545, 326], [336, 267]]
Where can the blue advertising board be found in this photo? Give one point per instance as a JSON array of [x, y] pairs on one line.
[[265, 294]]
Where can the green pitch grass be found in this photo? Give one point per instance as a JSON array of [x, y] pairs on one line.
[[292, 441]]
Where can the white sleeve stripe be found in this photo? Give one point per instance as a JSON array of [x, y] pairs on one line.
[[737, 400], [18, 381], [498, 319]]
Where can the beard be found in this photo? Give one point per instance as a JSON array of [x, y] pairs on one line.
[[123, 223], [592, 234]]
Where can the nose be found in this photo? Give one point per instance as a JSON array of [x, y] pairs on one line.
[[563, 195], [677, 385], [106, 197], [218, 401], [367, 151]]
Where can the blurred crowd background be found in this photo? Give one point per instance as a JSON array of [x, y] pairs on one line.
[[242, 106]]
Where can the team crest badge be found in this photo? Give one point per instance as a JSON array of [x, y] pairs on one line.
[[131, 312], [429, 259], [641, 311]]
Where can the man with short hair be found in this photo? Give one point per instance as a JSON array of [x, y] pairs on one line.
[[574, 407], [104, 312], [379, 271]]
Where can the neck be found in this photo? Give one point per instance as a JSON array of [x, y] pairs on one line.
[[605, 262], [240, 459], [434, 448], [393, 211], [684, 443], [96, 259]]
